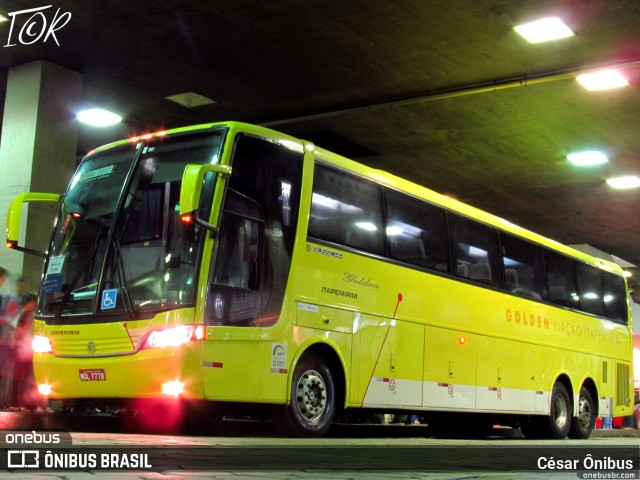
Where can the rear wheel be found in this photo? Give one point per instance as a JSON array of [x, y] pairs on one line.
[[558, 423], [313, 399], [584, 423], [560, 417]]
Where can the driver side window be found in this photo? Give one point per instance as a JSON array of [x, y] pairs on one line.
[[238, 249]]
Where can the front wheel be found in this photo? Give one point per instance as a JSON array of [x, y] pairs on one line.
[[584, 423], [313, 399]]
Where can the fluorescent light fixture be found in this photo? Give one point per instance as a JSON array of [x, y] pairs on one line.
[[603, 80], [543, 30], [368, 226], [190, 99], [588, 158], [630, 181], [98, 117]]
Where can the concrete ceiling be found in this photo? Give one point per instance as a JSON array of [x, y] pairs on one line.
[[444, 93]]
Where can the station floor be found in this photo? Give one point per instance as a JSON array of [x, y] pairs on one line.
[[255, 446]]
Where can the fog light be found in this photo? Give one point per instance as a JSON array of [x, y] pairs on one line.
[[174, 388], [44, 389]]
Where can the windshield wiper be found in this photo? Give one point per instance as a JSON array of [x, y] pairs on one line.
[[119, 266], [90, 256]]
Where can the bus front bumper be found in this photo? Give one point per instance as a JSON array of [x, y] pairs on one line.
[[156, 373]]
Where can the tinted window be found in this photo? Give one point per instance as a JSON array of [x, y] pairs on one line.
[[561, 279], [417, 232], [615, 297], [476, 251], [590, 289], [257, 232], [523, 267], [346, 209]]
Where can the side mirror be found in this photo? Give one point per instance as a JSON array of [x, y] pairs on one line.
[[191, 188], [14, 217]]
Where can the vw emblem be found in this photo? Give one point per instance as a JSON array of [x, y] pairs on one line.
[[91, 347]]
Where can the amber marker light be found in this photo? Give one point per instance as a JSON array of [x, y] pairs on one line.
[[200, 332], [174, 388], [462, 340]]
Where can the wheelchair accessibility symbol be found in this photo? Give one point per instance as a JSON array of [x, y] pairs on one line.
[[109, 299]]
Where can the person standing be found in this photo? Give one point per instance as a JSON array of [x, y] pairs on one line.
[[24, 394]]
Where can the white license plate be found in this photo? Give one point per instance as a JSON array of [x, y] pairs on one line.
[[92, 375]]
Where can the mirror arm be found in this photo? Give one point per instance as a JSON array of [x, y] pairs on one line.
[[213, 231], [29, 251]]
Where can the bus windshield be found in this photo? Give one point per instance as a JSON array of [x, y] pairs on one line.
[[118, 243]]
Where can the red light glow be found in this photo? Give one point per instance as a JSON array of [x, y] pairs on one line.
[[41, 344], [44, 389], [188, 218], [170, 337]]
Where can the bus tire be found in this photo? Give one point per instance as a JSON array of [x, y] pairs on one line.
[[560, 414], [313, 399], [583, 424], [558, 423]]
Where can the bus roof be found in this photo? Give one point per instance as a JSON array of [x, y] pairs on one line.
[[392, 181]]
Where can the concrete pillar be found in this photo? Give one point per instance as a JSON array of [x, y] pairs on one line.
[[37, 153]]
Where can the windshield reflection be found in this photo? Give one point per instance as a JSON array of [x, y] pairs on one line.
[[118, 243]]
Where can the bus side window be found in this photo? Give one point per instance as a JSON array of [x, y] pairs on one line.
[[475, 250], [523, 267], [561, 279], [615, 297], [417, 232], [590, 288], [238, 252], [346, 210]]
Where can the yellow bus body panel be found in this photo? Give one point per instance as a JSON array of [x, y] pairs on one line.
[[405, 338]]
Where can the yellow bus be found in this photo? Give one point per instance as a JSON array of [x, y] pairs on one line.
[[229, 265]]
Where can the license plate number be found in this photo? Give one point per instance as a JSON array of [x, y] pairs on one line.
[[92, 375]]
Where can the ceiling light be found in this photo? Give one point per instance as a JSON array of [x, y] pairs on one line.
[[624, 182], [97, 117], [602, 80], [551, 28], [190, 99], [588, 158]]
